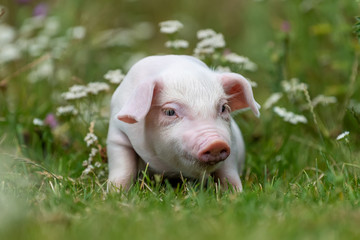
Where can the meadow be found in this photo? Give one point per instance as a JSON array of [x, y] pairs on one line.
[[60, 62]]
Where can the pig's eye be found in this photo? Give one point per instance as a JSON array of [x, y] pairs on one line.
[[225, 108], [169, 112]]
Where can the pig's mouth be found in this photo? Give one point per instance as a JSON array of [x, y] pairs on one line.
[[210, 163], [208, 166]]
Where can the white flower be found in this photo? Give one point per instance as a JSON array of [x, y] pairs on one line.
[[91, 156], [43, 71], [342, 135], [38, 122], [203, 51], [80, 91], [274, 98], [222, 69], [354, 105], [66, 110], [31, 24], [9, 52], [177, 44], [170, 27], [38, 45], [35, 49], [75, 92], [114, 76], [88, 169], [77, 88], [205, 33], [252, 83], [22, 44], [293, 85], [77, 32], [243, 61], [250, 66], [52, 26], [85, 163], [7, 34], [234, 58], [209, 41], [97, 164], [90, 139], [323, 100], [216, 41], [289, 116], [96, 87], [93, 152], [101, 173]]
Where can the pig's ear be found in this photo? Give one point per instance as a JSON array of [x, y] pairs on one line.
[[139, 103], [239, 91]]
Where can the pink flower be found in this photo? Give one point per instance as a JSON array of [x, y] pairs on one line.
[[285, 27], [40, 10], [51, 121]]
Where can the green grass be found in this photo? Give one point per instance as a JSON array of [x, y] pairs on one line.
[[299, 181]]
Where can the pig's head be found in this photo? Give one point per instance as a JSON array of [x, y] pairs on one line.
[[187, 116]]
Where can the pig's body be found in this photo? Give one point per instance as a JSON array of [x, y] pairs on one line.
[[173, 112]]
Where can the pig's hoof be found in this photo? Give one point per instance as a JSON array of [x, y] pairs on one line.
[[115, 186]]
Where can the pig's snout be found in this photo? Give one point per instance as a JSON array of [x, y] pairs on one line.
[[214, 152]]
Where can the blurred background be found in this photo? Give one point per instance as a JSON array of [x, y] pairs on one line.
[[61, 60], [48, 46], [320, 44]]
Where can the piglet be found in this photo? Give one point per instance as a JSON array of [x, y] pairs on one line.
[[173, 113]]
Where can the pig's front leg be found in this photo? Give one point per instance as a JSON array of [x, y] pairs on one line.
[[122, 166], [122, 163], [228, 174]]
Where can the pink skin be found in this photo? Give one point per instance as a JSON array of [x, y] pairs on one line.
[[215, 152], [207, 143], [203, 141], [173, 113]]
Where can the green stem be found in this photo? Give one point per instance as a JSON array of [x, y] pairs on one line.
[[350, 92]]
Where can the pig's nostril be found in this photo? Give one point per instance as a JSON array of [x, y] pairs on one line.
[[214, 152]]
